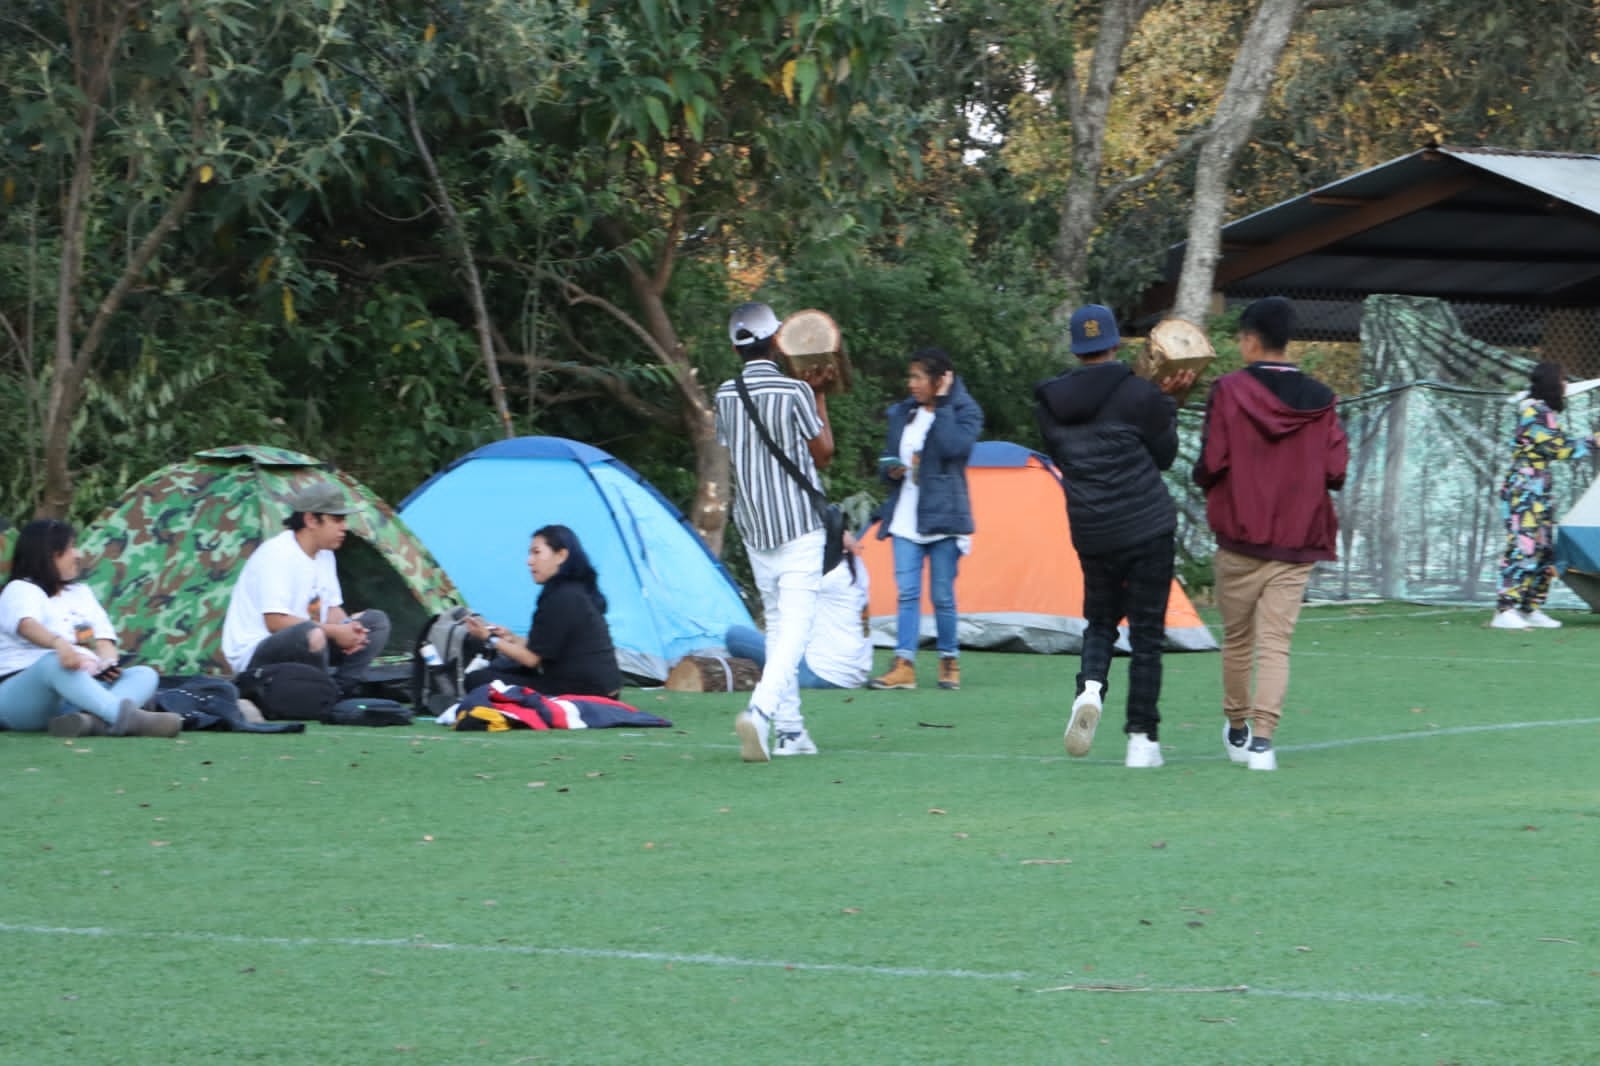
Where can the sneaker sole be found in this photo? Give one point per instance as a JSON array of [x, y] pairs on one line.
[[1269, 763], [1079, 737], [950, 686], [881, 687], [750, 747]]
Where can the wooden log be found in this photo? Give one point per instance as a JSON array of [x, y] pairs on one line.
[[713, 673]]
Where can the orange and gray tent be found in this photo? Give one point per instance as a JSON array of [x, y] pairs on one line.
[[163, 559], [1020, 588]]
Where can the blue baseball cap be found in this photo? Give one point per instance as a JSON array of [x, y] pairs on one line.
[[1093, 329]]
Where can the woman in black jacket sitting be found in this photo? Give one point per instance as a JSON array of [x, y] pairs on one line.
[[568, 648]]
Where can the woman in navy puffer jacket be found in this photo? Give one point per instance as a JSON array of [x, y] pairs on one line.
[[928, 512]]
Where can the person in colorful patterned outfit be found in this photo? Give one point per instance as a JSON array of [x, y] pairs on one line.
[[1529, 560]]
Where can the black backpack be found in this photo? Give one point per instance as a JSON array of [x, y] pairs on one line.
[[296, 692], [439, 659], [212, 703]]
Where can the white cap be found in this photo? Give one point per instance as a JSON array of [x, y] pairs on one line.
[[751, 322]]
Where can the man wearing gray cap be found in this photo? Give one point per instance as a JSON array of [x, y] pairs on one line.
[[287, 605], [783, 533]]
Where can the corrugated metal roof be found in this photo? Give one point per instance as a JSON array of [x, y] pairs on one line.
[[1489, 224], [1572, 178]]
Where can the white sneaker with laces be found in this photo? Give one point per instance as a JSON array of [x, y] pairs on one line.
[[755, 731], [1237, 752], [1537, 619], [1510, 618], [1085, 717], [1266, 759], [1143, 753], [795, 744]]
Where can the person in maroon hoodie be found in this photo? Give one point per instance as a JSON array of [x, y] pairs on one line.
[[1273, 448]]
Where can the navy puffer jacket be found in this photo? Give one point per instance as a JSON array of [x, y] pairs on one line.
[[944, 507]]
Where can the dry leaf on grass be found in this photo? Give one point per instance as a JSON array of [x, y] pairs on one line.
[[937, 810]]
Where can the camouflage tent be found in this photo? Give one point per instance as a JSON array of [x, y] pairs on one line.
[[164, 558]]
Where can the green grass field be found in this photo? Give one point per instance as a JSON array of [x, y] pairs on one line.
[[1417, 883]]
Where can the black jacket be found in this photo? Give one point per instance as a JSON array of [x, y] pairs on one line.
[[1112, 434]]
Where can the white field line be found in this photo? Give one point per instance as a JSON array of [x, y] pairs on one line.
[[699, 959], [635, 741], [1308, 615]]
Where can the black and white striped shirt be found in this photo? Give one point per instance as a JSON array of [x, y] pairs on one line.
[[769, 507]]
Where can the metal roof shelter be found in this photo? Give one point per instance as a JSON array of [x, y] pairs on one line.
[[1510, 238]]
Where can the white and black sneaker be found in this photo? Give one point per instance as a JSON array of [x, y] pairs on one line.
[[1236, 739], [1260, 755], [798, 742]]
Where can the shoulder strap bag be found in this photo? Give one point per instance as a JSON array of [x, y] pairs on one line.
[[832, 517]]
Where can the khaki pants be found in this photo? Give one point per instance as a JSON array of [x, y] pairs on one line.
[[1260, 603]]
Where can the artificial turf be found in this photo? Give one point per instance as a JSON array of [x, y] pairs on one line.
[[940, 885]]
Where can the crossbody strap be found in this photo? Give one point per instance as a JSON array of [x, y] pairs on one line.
[[818, 500]]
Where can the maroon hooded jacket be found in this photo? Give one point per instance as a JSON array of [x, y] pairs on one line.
[[1273, 448]]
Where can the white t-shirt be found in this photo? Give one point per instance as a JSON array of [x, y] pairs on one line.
[[73, 613], [912, 438], [839, 651], [278, 578], [903, 523]]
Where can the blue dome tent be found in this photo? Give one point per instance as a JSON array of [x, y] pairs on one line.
[[667, 595]]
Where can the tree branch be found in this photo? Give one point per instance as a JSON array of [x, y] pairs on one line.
[[469, 267], [1186, 147]]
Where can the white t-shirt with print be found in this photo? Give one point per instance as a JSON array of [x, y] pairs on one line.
[[73, 613], [839, 651], [278, 578]]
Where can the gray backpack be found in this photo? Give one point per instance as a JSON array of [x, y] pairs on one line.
[[439, 661]]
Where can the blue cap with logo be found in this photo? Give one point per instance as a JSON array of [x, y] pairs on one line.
[[1093, 329]]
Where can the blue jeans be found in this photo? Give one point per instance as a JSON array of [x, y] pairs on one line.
[[944, 558], [31, 697], [748, 642]]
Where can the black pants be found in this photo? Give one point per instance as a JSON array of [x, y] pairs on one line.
[[544, 682], [292, 645], [1133, 583]]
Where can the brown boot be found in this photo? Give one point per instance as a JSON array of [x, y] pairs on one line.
[[134, 721], [76, 724], [949, 673], [903, 674]]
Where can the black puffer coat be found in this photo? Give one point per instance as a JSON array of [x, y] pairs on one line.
[[1112, 434]]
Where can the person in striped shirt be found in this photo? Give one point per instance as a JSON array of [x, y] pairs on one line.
[[782, 530]]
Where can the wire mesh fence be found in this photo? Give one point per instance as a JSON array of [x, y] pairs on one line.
[[1430, 442]]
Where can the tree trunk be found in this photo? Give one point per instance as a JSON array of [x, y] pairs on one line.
[[708, 514], [1254, 68], [1080, 210]]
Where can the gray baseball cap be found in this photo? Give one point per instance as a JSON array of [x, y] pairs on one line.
[[321, 497], [752, 322]]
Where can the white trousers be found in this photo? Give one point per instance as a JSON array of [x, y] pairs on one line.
[[788, 578]]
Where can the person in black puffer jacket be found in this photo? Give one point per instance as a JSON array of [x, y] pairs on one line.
[[1111, 434]]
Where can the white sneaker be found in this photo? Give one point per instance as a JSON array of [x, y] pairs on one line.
[[1143, 753], [1266, 759], [1510, 618], [795, 744], [1085, 717], [1237, 752], [1537, 619], [755, 730]]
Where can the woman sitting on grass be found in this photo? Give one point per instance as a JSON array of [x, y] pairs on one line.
[[568, 650], [59, 668]]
